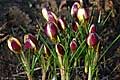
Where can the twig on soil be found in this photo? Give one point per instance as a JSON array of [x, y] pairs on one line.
[[114, 69], [21, 73], [4, 38]]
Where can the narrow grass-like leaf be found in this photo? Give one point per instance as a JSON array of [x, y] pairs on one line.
[[117, 38], [35, 59], [103, 22]]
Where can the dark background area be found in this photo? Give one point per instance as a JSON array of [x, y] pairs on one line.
[[14, 13]]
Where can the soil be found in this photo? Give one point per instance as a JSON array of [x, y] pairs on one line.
[[14, 13]]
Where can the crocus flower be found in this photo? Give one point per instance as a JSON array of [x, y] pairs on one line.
[[92, 39], [59, 49], [74, 9], [49, 15], [82, 14], [73, 45], [51, 30], [46, 51], [92, 29], [75, 26], [14, 45], [81, 3], [61, 24], [30, 41]]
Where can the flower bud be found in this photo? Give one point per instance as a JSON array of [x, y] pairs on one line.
[[82, 14], [61, 24], [73, 45], [46, 51], [81, 3], [52, 17], [75, 26], [30, 41], [92, 29], [84, 3], [49, 15], [92, 39], [59, 49], [45, 13], [14, 45], [51, 30], [74, 9]]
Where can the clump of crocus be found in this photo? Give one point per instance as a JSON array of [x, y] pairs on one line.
[[14, 45], [59, 49], [92, 39], [62, 24], [74, 9], [92, 29], [82, 14], [75, 26], [73, 45], [49, 15], [30, 42], [51, 30]]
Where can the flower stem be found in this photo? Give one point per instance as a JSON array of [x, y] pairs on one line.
[[43, 75], [86, 64], [90, 74], [86, 67], [26, 66], [29, 77], [62, 72], [67, 75]]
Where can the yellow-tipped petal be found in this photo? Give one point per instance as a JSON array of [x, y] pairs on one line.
[[82, 14], [45, 13]]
